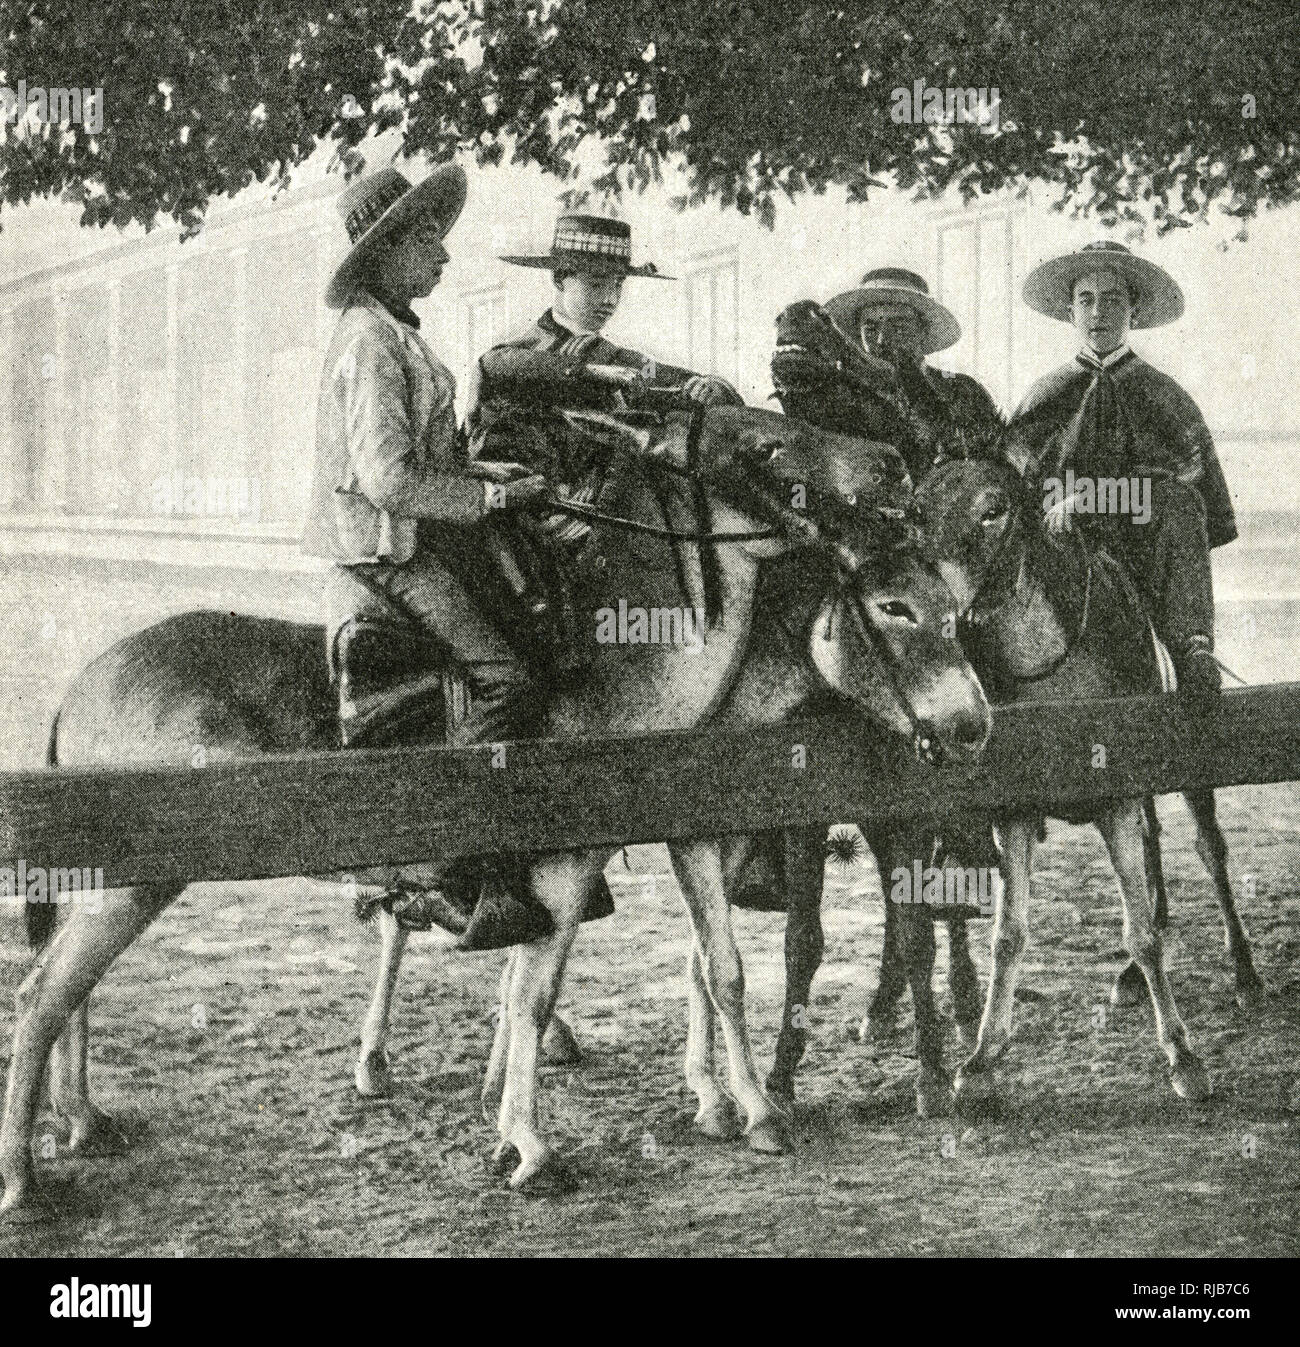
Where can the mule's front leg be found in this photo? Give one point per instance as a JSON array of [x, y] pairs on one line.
[[964, 984], [716, 1116], [804, 946], [933, 1091], [535, 972], [975, 1084], [1122, 829], [1213, 851], [91, 1131], [699, 873], [373, 1076], [53, 992]]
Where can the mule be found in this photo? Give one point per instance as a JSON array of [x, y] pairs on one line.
[[825, 379], [244, 687], [1060, 621]]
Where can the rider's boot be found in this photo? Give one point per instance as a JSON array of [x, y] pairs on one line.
[[1199, 679]]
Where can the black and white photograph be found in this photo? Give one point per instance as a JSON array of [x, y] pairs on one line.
[[650, 630]]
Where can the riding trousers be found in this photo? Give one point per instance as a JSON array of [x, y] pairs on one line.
[[1168, 557], [426, 592]]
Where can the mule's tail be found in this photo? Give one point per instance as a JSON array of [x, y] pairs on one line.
[[41, 916], [1155, 863]]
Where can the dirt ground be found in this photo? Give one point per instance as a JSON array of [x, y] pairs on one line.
[[248, 1138]]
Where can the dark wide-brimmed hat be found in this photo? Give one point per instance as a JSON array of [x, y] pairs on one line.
[[591, 243], [894, 285], [1049, 288], [378, 208]]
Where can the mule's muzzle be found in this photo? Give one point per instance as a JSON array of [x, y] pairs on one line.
[[961, 739]]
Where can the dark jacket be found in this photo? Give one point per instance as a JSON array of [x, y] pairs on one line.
[[1161, 432], [546, 334]]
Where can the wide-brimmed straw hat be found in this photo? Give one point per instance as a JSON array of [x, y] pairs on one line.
[[895, 285], [377, 208], [591, 243], [1049, 288]]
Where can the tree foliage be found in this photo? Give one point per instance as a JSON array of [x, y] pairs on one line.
[[1150, 110]]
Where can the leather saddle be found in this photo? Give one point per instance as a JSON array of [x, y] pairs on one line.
[[393, 685]]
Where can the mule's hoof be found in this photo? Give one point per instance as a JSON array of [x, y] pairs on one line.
[[976, 1094], [97, 1135], [770, 1136], [719, 1121], [1130, 987], [878, 1030], [933, 1097], [1251, 992], [373, 1076], [1190, 1079], [504, 1158], [545, 1176], [559, 1047], [25, 1206]]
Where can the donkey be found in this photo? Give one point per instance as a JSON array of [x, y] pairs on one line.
[[1058, 621], [247, 687]]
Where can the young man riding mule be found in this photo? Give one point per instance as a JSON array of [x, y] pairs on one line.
[[893, 316], [1108, 418], [411, 513], [395, 501]]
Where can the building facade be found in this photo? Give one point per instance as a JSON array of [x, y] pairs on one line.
[[160, 396]]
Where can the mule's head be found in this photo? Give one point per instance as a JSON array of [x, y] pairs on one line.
[[813, 355], [971, 513], [886, 634], [764, 468], [886, 639], [808, 469]]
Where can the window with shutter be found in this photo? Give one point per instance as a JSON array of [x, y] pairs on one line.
[[974, 278], [713, 287]]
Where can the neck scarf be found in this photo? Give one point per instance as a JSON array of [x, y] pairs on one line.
[[1095, 440]]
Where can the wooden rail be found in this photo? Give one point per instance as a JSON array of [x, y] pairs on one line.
[[327, 812]]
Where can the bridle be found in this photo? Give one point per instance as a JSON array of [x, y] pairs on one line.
[[974, 618], [808, 534]]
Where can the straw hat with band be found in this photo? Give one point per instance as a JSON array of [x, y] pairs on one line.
[[895, 285], [591, 244], [378, 208], [1049, 288]]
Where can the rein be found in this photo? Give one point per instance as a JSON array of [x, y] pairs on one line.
[[595, 516], [591, 514], [922, 733]]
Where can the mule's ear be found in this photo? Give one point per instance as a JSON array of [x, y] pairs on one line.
[[610, 430]]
